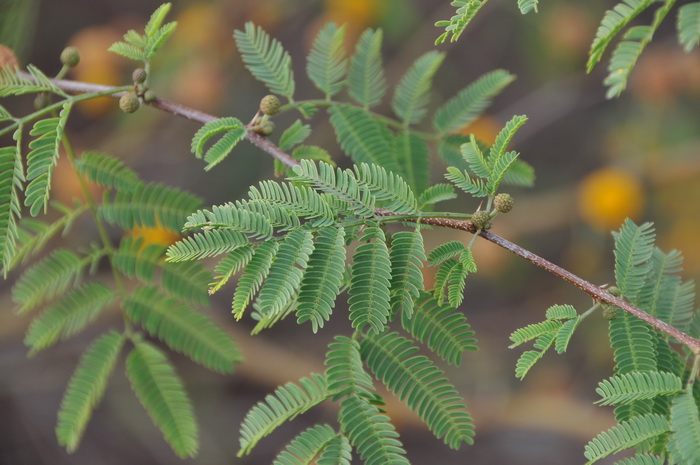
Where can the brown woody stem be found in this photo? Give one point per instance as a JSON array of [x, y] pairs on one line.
[[465, 225]]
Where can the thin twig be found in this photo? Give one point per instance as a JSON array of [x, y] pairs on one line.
[[464, 225]]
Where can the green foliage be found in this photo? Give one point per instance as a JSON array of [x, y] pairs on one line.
[[412, 156], [86, 388], [42, 158], [67, 317], [470, 102], [443, 329], [527, 6], [266, 59], [143, 47], [11, 83], [208, 243], [149, 205], [107, 172], [689, 25], [11, 179], [327, 64], [407, 256], [294, 134], [643, 459], [415, 380], [372, 433], [366, 82], [234, 262], [625, 435], [162, 394], [455, 26], [626, 388], [253, 275], [685, 424], [413, 90], [308, 445], [286, 403], [634, 246], [436, 193], [182, 328], [371, 277], [233, 132], [345, 374]]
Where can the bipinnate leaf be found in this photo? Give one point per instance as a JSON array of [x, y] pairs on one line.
[[162, 394], [86, 388]]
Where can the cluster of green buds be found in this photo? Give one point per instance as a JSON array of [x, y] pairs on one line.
[[269, 106]]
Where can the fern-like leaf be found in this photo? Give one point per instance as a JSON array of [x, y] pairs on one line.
[[338, 451], [685, 424], [364, 138], [327, 64], [86, 388], [444, 252], [642, 459], [266, 59], [208, 243], [11, 179], [461, 179], [564, 335], [182, 328], [301, 200], [434, 194], [187, 281], [234, 262], [533, 331], [372, 433], [253, 275], [138, 260], [625, 435], [634, 246], [42, 159], [626, 388], [107, 171], [443, 329], [412, 156], [282, 283], [528, 358], [561, 312], [284, 404], [468, 104], [455, 26], [614, 21], [293, 135], [413, 90], [150, 205], [389, 188], [68, 316], [345, 374], [234, 131], [162, 394], [407, 256], [415, 380], [307, 446], [323, 277], [236, 218], [366, 83], [527, 6], [689, 25], [369, 286], [11, 83]]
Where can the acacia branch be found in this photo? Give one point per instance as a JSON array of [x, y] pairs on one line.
[[270, 148]]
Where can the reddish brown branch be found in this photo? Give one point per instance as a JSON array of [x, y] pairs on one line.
[[271, 149]]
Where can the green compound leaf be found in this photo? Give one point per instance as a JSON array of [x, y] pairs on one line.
[[533, 331], [437, 193], [231, 217], [527, 6], [327, 64], [338, 451], [407, 256], [182, 328], [321, 283], [413, 90], [293, 135], [369, 286], [307, 446], [685, 425], [419, 383], [253, 275], [211, 129], [107, 171], [688, 25], [625, 435], [561, 312], [366, 82], [284, 404], [442, 328], [67, 317], [11, 179], [228, 266], [634, 246], [345, 373], [471, 101], [412, 155], [162, 394], [372, 433], [86, 388], [266, 59], [626, 388], [208, 243], [455, 26], [42, 159], [642, 459]]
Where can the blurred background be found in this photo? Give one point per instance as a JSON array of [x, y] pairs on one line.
[[597, 162]]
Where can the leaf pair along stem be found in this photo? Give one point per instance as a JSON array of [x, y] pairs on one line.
[[273, 150]]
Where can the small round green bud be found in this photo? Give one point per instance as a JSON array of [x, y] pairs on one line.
[[139, 76], [42, 101], [614, 290], [609, 312], [481, 220], [70, 57], [149, 96], [129, 102], [503, 203], [268, 128], [270, 105]]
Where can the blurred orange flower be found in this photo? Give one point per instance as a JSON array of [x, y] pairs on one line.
[[157, 235], [609, 195]]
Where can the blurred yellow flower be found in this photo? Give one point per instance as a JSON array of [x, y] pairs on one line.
[[157, 235], [484, 128], [609, 195]]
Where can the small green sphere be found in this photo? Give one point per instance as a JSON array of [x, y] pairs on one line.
[[503, 203], [70, 57], [42, 101], [129, 102], [609, 312], [614, 290], [268, 128], [139, 76], [270, 105], [481, 220], [149, 96]]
